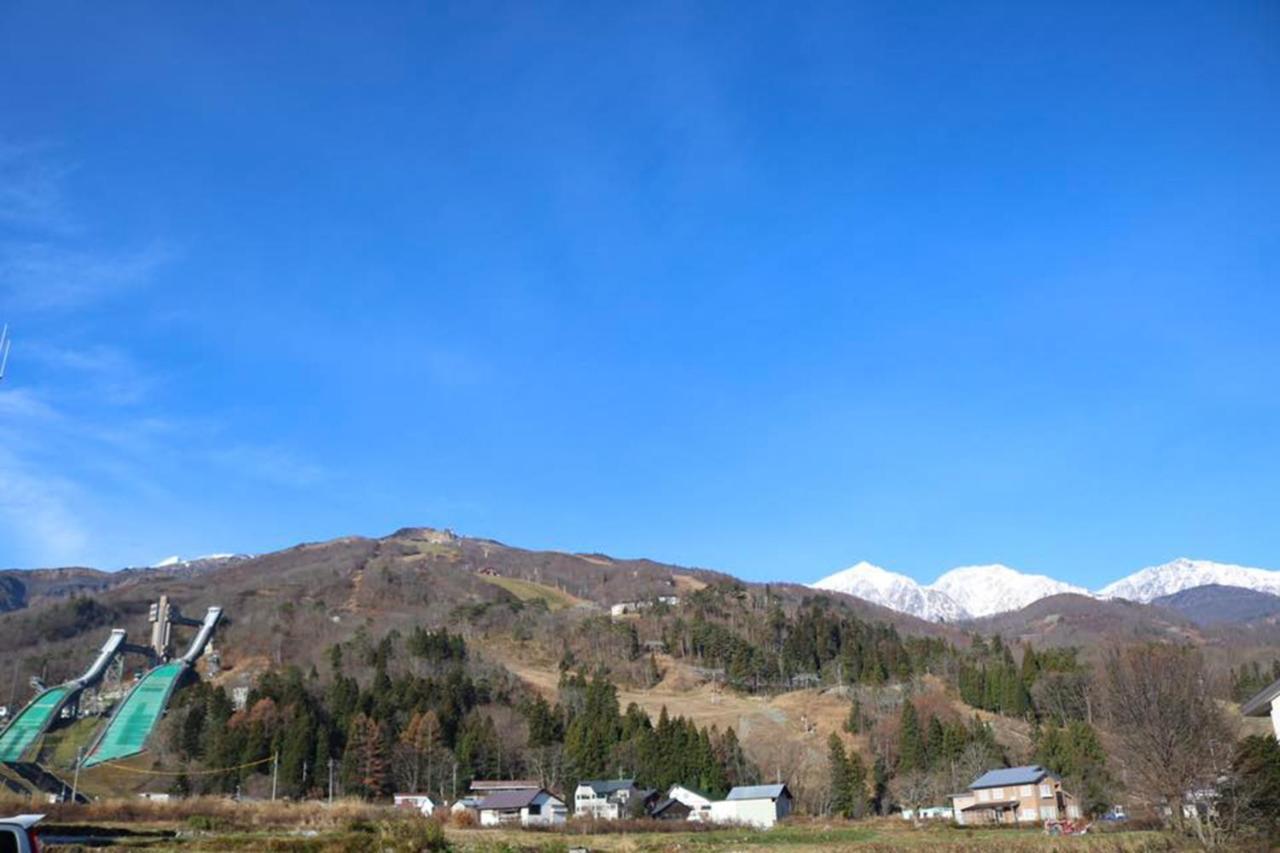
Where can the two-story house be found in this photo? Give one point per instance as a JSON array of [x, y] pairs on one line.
[[607, 799], [1027, 794]]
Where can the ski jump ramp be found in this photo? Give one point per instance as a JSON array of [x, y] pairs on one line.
[[129, 727], [33, 720]]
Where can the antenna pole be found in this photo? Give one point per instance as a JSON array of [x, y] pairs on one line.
[[4, 349]]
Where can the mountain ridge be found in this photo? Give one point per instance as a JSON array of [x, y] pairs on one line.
[[974, 592]]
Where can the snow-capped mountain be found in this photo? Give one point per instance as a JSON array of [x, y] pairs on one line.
[[971, 592], [968, 592], [1155, 581], [895, 591], [987, 590]]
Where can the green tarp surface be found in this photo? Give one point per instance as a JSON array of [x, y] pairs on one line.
[[30, 723], [131, 724]]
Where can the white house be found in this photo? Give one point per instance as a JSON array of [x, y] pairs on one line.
[[420, 802], [605, 799], [760, 806], [930, 813], [523, 806], [624, 608], [699, 803], [466, 804], [1266, 702]]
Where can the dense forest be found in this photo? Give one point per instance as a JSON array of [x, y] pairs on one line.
[[429, 719]]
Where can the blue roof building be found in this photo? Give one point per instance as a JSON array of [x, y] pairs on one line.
[[1026, 794]]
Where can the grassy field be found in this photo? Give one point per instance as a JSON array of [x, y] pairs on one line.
[[530, 591], [209, 824], [803, 837]]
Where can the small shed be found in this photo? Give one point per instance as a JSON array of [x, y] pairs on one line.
[[418, 802], [670, 809]]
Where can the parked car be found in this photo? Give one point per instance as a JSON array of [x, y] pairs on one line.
[[18, 834], [1115, 813]]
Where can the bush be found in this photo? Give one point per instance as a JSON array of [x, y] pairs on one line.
[[412, 836]]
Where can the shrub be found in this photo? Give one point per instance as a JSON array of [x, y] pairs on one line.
[[412, 836]]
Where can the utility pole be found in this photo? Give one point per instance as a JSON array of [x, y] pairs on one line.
[[330, 781], [275, 773], [75, 779]]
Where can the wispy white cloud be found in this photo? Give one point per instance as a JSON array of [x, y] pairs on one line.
[[36, 510], [114, 375], [31, 189], [42, 276]]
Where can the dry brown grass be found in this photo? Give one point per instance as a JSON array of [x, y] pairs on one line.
[[220, 812]]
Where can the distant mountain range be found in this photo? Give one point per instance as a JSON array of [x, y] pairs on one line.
[[1214, 604], [972, 592]]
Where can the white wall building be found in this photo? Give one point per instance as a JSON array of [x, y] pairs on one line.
[[524, 807], [699, 803], [420, 802], [604, 799], [760, 806]]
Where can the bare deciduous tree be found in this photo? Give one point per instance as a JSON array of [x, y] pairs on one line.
[[1171, 738]]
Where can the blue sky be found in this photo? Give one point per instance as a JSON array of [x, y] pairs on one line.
[[765, 288]]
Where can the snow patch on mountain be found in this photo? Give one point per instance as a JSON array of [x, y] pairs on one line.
[[895, 591], [180, 562], [1183, 573], [991, 589]]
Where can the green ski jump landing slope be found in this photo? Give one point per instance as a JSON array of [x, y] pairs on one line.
[[127, 732], [33, 720]]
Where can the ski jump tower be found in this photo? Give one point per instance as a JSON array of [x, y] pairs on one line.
[[164, 615]]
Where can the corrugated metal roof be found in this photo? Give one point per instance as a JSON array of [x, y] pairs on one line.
[[608, 786], [504, 784], [757, 792], [1260, 705], [517, 799], [1028, 774]]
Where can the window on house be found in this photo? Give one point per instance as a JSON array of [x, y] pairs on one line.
[[997, 793], [1027, 790], [984, 795], [1048, 812], [1046, 790], [535, 809]]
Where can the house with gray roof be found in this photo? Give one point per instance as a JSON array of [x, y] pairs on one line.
[[609, 799], [1026, 794], [523, 806]]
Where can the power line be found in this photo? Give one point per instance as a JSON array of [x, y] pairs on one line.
[[205, 772]]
